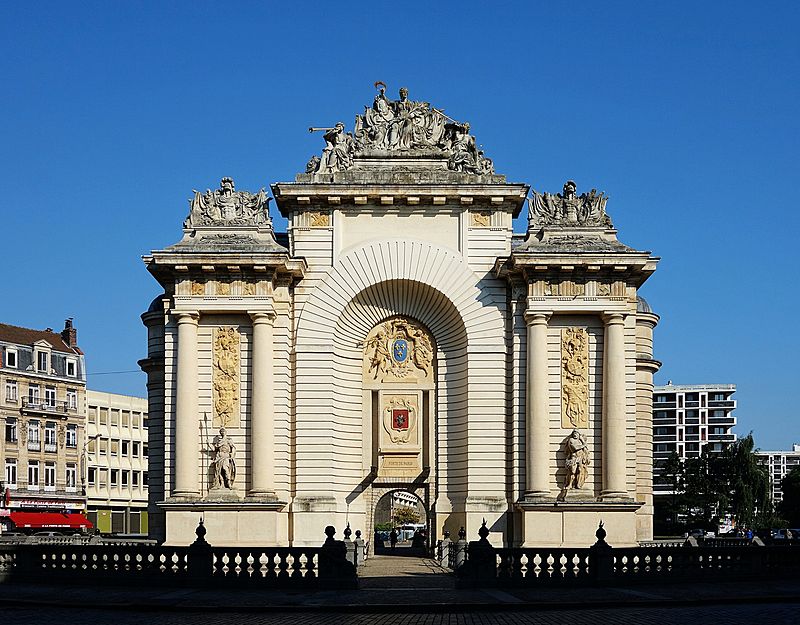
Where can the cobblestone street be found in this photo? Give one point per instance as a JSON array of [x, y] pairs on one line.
[[775, 614]]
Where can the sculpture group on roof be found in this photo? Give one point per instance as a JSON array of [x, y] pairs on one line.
[[227, 207], [405, 126], [569, 209]]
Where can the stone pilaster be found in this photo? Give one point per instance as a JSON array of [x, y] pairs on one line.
[[537, 426], [186, 435], [614, 456], [262, 435]]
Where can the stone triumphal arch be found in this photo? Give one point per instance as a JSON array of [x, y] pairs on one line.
[[400, 337]]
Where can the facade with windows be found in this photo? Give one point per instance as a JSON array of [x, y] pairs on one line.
[[116, 461], [42, 413], [779, 464], [688, 419]]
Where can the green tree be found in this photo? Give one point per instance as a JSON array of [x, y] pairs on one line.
[[746, 490], [404, 515], [790, 506]]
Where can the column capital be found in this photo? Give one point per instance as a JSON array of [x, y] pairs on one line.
[[262, 317], [613, 318], [188, 316], [537, 317]]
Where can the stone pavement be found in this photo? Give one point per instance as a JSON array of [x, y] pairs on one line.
[[397, 589]]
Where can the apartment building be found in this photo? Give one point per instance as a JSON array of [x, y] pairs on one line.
[[779, 463], [116, 454], [42, 414], [688, 419]]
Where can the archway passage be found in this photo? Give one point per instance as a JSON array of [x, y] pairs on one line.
[[402, 525]]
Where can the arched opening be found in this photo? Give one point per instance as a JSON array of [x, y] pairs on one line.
[[402, 525]]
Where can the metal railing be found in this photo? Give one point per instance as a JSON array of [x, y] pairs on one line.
[[36, 404]]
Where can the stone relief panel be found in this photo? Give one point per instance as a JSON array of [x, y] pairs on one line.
[[481, 219], [398, 350], [225, 377], [318, 219], [223, 287], [197, 288], [249, 288], [574, 378]]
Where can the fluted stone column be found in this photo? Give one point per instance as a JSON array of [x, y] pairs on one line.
[[537, 418], [614, 456], [262, 435], [186, 434]]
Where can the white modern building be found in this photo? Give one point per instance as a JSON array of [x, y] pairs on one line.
[[779, 463], [116, 465], [688, 419], [400, 336]]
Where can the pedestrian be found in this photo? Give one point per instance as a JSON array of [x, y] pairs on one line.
[[748, 534], [393, 538]]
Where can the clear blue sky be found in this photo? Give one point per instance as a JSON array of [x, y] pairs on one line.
[[685, 113]]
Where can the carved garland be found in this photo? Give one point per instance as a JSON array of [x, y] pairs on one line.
[[225, 378], [574, 378]]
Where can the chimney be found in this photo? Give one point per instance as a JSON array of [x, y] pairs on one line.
[[69, 334]]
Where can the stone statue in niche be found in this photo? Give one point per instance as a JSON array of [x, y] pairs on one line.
[[577, 462], [569, 209], [225, 377], [223, 465], [574, 378], [398, 349], [228, 207]]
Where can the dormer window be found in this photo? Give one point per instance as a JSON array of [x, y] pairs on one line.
[[42, 362], [72, 369], [11, 358]]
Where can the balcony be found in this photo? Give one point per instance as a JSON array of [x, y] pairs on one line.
[[728, 403], [51, 447], [44, 406], [34, 445], [664, 404]]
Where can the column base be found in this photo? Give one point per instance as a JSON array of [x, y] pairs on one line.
[[614, 495]]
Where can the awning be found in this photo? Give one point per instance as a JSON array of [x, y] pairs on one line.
[[55, 520]]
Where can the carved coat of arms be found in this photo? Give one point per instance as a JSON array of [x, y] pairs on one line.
[[400, 419], [399, 348]]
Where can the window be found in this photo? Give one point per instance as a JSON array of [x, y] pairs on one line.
[[661, 399], [135, 478], [102, 478], [11, 430], [11, 391], [114, 416], [50, 436], [71, 478], [103, 446], [144, 420], [11, 472], [50, 476], [72, 368], [717, 413], [92, 414], [145, 450], [72, 436], [72, 399], [114, 448], [50, 396], [114, 477], [125, 478], [718, 397], [144, 478], [33, 435], [92, 476], [136, 419], [91, 445], [124, 449], [42, 362], [11, 358], [33, 475], [135, 449], [103, 416], [33, 393], [126, 418]]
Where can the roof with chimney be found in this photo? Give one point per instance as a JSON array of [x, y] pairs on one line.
[[60, 342]]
